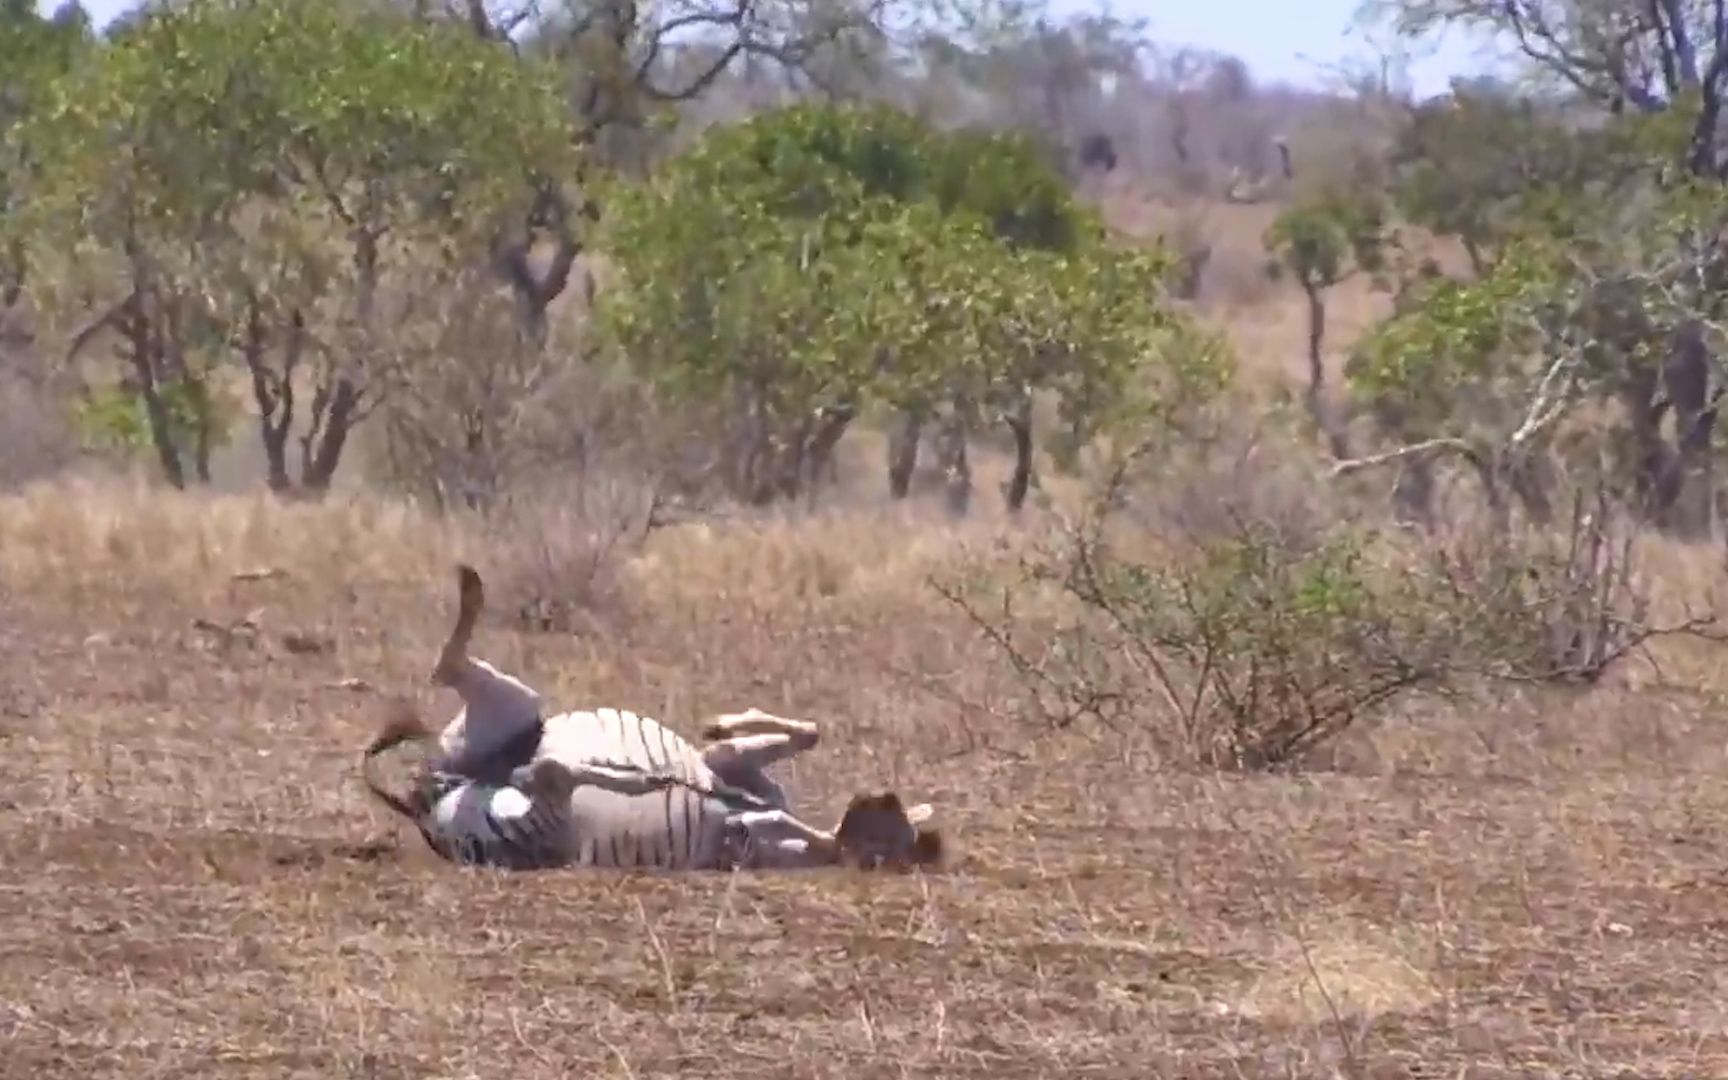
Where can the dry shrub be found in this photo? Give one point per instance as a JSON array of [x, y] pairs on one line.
[[1557, 605], [1252, 650], [474, 403], [1246, 628], [555, 553], [36, 436]]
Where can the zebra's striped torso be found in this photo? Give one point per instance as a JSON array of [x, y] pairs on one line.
[[685, 827]]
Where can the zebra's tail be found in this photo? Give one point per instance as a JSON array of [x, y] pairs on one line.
[[402, 726], [471, 597]]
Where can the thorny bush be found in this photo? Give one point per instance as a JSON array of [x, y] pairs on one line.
[[1554, 605], [1251, 646]]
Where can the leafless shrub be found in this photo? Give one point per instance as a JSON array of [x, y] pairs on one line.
[[1559, 605], [557, 550], [1249, 636], [475, 404], [36, 435], [1249, 652]]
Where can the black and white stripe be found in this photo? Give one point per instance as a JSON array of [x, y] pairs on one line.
[[692, 820], [476, 823]]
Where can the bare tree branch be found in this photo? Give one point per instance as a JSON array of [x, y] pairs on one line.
[[1424, 448]]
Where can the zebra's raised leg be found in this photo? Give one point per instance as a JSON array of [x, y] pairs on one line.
[[775, 840], [742, 760], [754, 721], [875, 831], [497, 709]]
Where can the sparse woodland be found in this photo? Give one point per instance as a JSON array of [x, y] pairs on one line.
[[1253, 480]]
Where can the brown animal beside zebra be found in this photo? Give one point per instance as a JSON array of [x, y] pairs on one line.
[[510, 787]]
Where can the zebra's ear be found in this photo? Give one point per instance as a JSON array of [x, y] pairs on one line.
[[928, 849]]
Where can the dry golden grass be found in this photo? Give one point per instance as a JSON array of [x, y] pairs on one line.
[[194, 884]]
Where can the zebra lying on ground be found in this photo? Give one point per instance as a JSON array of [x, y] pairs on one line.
[[509, 787]]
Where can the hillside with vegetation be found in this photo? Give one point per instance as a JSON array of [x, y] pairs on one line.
[[1278, 529]]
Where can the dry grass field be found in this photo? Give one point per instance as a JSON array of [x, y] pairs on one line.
[[193, 884]]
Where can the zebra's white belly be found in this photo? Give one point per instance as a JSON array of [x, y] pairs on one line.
[[678, 827]]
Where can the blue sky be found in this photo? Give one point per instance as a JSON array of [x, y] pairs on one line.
[[1282, 40]]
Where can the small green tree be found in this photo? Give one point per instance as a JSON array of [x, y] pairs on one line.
[[1321, 242], [1611, 301]]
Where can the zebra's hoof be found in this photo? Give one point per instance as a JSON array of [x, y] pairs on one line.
[[544, 780]]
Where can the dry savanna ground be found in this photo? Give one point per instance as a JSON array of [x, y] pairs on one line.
[[192, 883]]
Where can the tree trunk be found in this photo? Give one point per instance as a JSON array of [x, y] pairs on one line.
[[1019, 422], [512, 258], [1488, 471], [143, 342], [344, 407], [1473, 252], [1317, 404], [1688, 484], [1531, 479], [1650, 452], [14, 267], [1675, 481], [1413, 493], [273, 392], [903, 452], [791, 451], [342, 396], [750, 451], [171, 366], [203, 424], [820, 458], [951, 456]]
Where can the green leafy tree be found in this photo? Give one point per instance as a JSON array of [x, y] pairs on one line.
[[816, 261], [261, 172], [1475, 163], [1639, 92], [1322, 241], [33, 51], [1611, 302], [1463, 162]]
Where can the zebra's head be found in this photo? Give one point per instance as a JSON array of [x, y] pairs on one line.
[[877, 831], [401, 725]]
